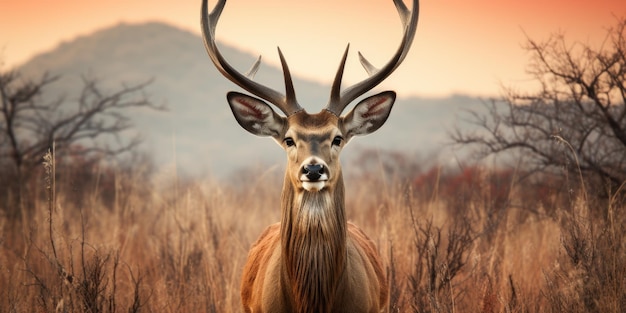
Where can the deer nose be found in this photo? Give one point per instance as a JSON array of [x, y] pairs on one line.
[[313, 171]]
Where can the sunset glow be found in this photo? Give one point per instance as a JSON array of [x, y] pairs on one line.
[[469, 47]]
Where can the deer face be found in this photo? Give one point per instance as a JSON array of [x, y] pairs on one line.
[[312, 142]]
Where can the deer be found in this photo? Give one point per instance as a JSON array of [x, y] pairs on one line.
[[313, 260]]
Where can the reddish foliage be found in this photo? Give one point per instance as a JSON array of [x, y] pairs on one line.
[[493, 189]]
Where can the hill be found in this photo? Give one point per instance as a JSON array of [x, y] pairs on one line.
[[198, 132]]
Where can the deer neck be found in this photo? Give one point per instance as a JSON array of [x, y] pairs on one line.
[[313, 241]]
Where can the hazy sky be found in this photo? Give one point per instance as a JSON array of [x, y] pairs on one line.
[[461, 46]]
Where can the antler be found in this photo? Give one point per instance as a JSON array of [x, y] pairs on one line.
[[288, 104], [339, 100]]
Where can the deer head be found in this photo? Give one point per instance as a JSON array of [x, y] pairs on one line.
[[312, 141]]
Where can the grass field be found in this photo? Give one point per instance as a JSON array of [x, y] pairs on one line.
[[129, 240]]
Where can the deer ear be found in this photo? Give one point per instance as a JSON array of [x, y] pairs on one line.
[[369, 114], [255, 116]]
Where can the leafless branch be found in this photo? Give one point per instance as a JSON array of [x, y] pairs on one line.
[[97, 120], [581, 99]]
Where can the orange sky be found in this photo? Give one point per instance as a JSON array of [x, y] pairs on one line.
[[461, 46]]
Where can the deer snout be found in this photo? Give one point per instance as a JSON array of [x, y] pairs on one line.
[[313, 172]]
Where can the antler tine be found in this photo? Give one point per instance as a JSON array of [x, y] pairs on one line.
[[289, 90], [255, 67], [335, 95], [287, 104], [338, 102]]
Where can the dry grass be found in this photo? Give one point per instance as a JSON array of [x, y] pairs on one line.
[[163, 245]]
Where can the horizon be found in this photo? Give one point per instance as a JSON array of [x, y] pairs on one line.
[[459, 48]]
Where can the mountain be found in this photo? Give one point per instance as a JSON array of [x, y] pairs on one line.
[[198, 131]]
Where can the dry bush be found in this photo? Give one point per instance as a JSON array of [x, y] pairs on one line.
[[590, 273]]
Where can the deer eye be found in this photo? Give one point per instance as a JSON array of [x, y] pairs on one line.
[[289, 142], [337, 141]]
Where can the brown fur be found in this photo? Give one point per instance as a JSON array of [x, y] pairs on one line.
[[314, 260], [266, 248]]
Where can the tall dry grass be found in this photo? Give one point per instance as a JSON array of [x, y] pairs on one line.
[[158, 243]]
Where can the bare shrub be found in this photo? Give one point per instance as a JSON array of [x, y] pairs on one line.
[[591, 271], [439, 261], [74, 276]]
